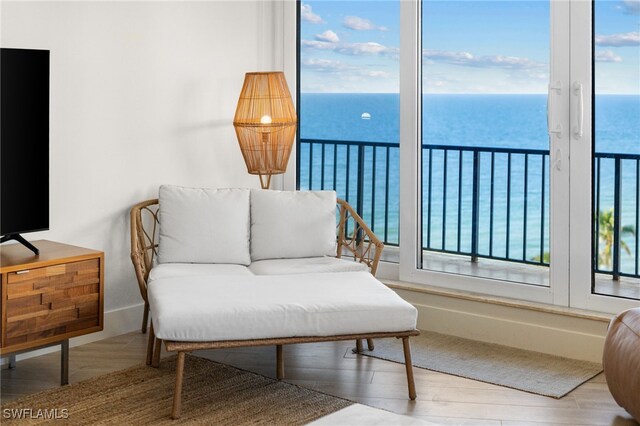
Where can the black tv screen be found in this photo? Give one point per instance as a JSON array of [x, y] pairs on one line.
[[24, 141]]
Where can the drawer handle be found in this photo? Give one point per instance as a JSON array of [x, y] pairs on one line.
[[26, 271]]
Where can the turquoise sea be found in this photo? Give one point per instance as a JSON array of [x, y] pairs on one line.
[[491, 121]]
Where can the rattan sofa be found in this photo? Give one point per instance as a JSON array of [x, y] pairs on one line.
[[279, 301]]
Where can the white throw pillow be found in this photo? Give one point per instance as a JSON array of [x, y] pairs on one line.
[[292, 224], [200, 225]]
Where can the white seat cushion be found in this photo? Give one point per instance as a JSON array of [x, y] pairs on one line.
[[305, 265], [167, 270], [201, 309], [291, 224], [199, 225]]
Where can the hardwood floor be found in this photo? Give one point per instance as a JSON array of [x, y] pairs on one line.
[[332, 368]]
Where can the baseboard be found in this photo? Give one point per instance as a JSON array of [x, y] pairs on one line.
[[116, 322], [576, 336]]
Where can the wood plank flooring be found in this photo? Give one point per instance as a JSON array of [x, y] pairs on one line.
[[332, 368]]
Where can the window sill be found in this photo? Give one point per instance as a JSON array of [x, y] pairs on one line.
[[500, 301]]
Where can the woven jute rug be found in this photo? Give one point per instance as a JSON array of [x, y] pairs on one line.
[[528, 371], [213, 393]]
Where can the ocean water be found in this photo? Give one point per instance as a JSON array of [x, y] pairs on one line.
[[514, 223]]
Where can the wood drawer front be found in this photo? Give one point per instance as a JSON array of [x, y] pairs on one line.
[[50, 301]]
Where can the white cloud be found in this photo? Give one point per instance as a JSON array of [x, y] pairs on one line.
[[510, 62], [369, 48], [447, 56], [328, 36], [543, 76], [361, 24], [377, 74], [490, 61], [306, 14], [607, 56], [618, 40], [631, 7], [320, 45], [342, 70], [437, 83], [326, 65], [353, 49]]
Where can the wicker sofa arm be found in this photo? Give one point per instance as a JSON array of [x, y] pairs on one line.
[[356, 239], [144, 247]]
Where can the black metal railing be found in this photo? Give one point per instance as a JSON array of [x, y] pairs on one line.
[[616, 214], [493, 193], [481, 202], [370, 183]]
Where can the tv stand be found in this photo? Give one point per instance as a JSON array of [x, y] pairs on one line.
[[45, 300], [19, 238]]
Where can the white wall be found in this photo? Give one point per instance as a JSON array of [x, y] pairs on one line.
[[141, 94]]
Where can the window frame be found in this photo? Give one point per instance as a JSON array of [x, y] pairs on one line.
[[581, 243], [571, 277], [410, 146]]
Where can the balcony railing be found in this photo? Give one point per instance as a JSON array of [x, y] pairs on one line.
[[486, 202], [617, 214], [365, 174], [481, 202]]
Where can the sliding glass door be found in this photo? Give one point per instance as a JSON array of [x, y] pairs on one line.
[[486, 161], [606, 152], [485, 147], [503, 157]]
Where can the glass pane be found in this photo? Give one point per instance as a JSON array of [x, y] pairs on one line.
[[349, 108], [616, 143], [485, 156]]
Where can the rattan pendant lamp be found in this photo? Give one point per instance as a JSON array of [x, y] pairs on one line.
[[265, 124]]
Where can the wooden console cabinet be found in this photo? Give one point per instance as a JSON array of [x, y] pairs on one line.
[[49, 298]]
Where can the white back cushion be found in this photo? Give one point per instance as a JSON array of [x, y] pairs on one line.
[[200, 225], [292, 224]]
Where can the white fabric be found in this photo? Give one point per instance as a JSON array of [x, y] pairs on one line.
[[199, 225], [197, 309], [167, 270], [305, 265], [291, 224]]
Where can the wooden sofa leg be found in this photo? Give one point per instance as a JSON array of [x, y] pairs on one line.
[[150, 343], [177, 393], [156, 353], [358, 346], [409, 367], [370, 344], [279, 362], [145, 317]]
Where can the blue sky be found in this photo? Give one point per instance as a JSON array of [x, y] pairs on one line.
[[617, 28], [468, 46]]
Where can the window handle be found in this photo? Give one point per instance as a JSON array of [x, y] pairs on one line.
[[557, 162], [577, 90], [557, 130]]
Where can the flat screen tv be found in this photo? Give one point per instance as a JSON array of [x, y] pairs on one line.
[[24, 143]]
